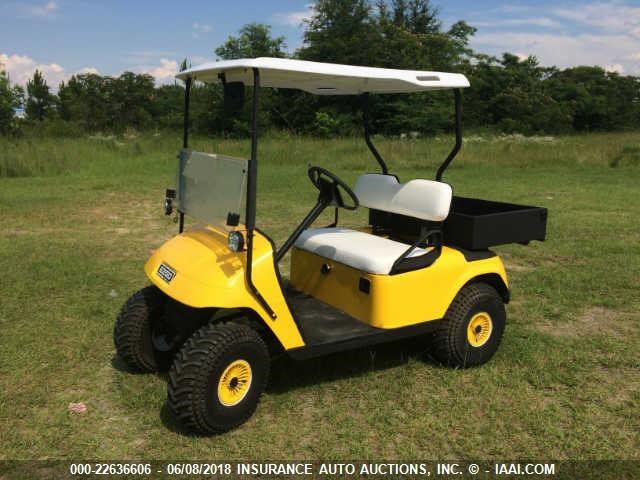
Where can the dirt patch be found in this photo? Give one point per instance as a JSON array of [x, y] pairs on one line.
[[17, 233], [591, 321], [542, 261], [515, 265], [512, 266], [617, 386]]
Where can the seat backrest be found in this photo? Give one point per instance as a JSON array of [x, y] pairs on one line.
[[424, 199]]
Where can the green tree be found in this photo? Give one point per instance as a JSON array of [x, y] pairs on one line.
[[133, 101], [11, 97], [460, 33], [254, 40], [412, 37], [40, 102], [511, 94], [169, 106], [404, 34], [85, 100], [598, 100], [98, 102], [341, 31], [416, 16]]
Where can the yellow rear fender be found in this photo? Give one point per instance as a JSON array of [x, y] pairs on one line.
[[496, 281], [490, 270], [426, 294], [198, 269]]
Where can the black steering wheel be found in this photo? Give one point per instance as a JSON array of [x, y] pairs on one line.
[[329, 186]]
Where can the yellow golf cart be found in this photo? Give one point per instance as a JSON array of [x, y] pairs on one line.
[[218, 309]]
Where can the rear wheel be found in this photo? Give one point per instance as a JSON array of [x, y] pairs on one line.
[[472, 328], [140, 333], [217, 378]]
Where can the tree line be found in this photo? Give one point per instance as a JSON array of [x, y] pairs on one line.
[[508, 94]]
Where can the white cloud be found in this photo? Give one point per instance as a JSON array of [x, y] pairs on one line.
[[41, 10], [508, 8], [608, 34], [145, 57], [611, 17], [22, 67], [93, 70], [618, 68], [199, 28], [533, 21], [564, 50], [294, 19], [164, 73], [198, 59]]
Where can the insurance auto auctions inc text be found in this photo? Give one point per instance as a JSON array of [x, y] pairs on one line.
[[332, 469], [393, 469]]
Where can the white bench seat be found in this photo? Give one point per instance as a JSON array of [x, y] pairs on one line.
[[418, 198], [360, 250], [423, 199]]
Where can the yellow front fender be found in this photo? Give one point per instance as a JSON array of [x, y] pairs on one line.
[[209, 274]]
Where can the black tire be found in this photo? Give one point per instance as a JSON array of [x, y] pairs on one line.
[[195, 377], [132, 334], [450, 342]]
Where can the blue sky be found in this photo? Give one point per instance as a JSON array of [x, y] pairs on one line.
[[62, 37]]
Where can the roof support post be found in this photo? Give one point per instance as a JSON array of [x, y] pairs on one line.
[[185, 136], [253, 162], [367, 137], [187, 96], [456, 148], [252, 176]]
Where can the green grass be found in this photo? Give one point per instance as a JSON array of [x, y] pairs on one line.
[[80, 217]]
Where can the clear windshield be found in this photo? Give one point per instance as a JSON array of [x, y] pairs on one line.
[[211, 187]]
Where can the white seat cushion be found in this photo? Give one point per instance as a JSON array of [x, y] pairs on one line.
[[424, 199], [360, 250]]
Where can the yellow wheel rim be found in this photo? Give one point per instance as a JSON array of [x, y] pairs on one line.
[[479, 329], [234, 383]]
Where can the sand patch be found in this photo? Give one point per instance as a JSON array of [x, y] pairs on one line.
[[591, 321]]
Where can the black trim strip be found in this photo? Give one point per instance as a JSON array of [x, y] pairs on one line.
[[410, 264], [473, 255], [404, 263], [369, 339]]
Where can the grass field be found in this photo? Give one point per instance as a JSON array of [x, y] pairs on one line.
[[81, 216]]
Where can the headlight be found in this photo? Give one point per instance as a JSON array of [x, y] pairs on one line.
[[236, 241]]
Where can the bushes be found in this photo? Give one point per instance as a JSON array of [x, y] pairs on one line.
[[10, 97], [327, 125]]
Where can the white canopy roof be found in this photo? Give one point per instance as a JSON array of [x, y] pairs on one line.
[[324, 78]]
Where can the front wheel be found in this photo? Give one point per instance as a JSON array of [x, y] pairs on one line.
[[139, 333], [217, 378], [472, 329]]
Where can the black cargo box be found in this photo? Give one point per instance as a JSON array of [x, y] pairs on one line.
[[477, 224]]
